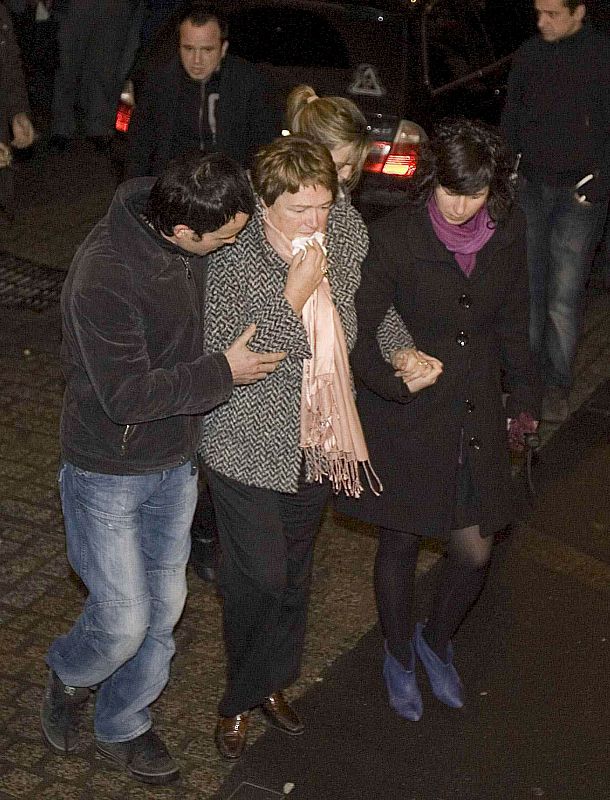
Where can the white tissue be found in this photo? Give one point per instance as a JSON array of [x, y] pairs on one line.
[[301, 242]]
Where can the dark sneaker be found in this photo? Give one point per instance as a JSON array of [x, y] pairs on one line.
[[60, 715], [145, 758]]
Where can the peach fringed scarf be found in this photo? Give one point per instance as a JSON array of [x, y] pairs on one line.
[[331, 434]]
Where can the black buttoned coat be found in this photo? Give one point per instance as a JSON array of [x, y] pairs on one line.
[[477, 326]]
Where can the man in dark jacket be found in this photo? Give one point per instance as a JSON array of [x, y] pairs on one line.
[[136, 379], [202, 99], [557, 117], [15, 127], [97, 42]]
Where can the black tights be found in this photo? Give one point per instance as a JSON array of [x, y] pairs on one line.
[[462, 578]]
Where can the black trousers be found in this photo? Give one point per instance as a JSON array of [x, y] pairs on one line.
[[264, 577]]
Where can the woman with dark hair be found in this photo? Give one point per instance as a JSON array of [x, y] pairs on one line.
[[455, 270]]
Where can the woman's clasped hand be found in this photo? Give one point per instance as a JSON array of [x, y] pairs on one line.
[[417, 369]]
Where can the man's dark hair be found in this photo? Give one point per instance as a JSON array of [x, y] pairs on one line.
[[201, 13], [202, 192], [572, 5]]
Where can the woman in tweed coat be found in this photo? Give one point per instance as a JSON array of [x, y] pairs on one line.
[[267, 513]]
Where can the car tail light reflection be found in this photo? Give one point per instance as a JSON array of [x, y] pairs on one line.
[[397, 157], [125, 108], [123, 117]]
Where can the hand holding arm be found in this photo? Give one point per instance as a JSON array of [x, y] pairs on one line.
[[246, 365], [23, 131]]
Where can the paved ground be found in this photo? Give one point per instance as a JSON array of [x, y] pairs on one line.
[[533, 655], [60, 199]]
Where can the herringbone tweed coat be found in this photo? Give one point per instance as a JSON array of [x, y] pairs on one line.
[[254, 437]]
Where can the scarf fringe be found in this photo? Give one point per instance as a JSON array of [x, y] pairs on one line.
[[341, 469]]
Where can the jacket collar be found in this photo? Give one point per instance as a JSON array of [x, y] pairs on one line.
[[132, 235]]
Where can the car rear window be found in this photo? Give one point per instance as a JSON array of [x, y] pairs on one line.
[[287, 37], [457, 43], [352, 49]]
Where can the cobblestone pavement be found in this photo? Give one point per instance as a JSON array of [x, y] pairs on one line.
[[40, 597]]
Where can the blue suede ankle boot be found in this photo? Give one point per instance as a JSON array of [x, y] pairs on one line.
[[401, 684], [444, 680]]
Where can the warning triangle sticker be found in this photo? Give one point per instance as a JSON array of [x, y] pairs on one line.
[[367, 82]]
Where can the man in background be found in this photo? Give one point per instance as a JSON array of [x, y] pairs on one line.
[[97, 42], [557, 117], [16, 129], [203, 99]]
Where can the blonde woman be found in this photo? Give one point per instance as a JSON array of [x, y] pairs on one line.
[[339, 125], [335, 122]]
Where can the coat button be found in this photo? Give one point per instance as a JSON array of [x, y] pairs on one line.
[[465, 300], [474, 443], [469, 406], [462, 338]]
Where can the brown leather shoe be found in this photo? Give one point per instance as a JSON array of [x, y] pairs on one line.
[[231, 734], [281, 715]]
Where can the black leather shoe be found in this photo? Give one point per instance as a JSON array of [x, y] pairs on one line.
[[231, 734], [281, 715]]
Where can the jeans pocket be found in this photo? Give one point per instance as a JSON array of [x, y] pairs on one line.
[[83, 473]]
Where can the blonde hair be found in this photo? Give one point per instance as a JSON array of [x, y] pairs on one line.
[[331, 121], [289, 163]]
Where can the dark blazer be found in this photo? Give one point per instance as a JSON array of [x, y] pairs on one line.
[[246, 119], [474, 326]]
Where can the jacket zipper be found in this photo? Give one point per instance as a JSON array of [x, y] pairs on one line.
[[128, 432], [191, 288], [204, 114]]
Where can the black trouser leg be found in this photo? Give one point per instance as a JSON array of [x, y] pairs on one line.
[[264, 576], [204, 533]]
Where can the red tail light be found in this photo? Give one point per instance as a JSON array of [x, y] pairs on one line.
[[125, 109], [397, 157], [377, 156], [123, 117]]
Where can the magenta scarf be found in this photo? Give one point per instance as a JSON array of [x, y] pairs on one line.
[[464, 240]]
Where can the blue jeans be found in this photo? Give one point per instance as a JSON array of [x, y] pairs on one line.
[[128, 540], [561, 238]]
